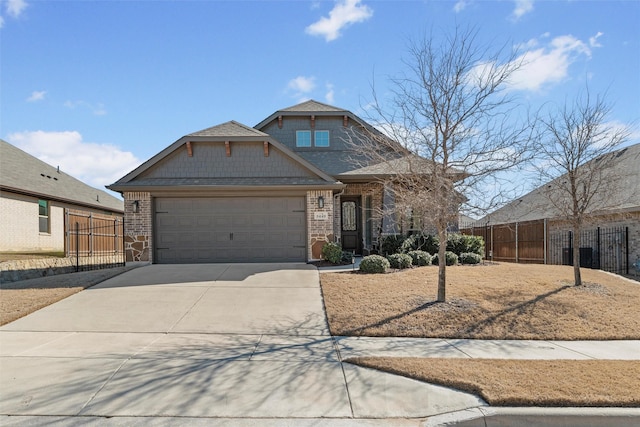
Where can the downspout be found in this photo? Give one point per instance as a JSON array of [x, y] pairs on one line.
[[336, 239]]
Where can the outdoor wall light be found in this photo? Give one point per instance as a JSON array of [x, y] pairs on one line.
[[321, 202], [136, 206]]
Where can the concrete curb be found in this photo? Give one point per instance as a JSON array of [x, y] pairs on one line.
[[542, 417]]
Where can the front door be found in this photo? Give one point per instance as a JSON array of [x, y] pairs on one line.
[[350, 212]]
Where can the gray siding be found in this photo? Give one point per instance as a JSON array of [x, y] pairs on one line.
[[287, 135], [210, 161]]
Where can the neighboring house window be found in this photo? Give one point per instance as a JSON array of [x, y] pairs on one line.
[[43, 216], [303, 138], [321, 138]]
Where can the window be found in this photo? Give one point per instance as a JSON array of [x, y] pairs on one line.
[[349, 216], [43, 216], [303, 138], [321, 138]]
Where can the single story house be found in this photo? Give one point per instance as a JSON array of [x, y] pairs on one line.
[[34, 197], [611, 231], [274, 192]]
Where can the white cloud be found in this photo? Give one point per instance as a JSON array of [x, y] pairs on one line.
[[330, 95], [549, 63], [301, 87], [13, 8], [97, 109], [593, 41], [37, 95], [522, 8], [460, 6], [344, 13], [93, 163]]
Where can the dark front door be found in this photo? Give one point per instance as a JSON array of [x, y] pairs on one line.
[[351, 221]]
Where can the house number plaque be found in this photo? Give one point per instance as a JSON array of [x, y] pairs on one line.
[[322, 216]]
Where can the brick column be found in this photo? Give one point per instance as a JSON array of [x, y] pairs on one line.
[[319, 222], [138, 226]]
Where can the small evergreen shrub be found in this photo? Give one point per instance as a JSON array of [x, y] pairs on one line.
[[400, 261], [347, 256], [470, 258], [462, 243], [420, 242], [450, 258], [374, 264], [391, 244], [332, 252], [419, 258]]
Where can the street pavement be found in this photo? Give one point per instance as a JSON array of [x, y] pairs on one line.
[[228, 345]]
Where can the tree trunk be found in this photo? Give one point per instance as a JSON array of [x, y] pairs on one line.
[[576, 255], [442, 267]]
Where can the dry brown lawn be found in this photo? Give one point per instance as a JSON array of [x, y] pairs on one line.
[[526, 382], [498, 301], [18, 299]]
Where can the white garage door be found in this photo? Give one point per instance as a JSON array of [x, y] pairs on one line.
[[239, 229]]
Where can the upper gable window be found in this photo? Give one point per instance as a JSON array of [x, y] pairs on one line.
[[321, 138], [303, 138]]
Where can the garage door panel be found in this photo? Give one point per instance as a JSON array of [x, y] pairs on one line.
[[230, 229]]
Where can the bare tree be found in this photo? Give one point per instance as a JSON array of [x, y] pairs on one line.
[[447, 131], [576, 159]]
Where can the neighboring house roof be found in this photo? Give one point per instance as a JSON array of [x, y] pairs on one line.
[[621, 193], [231, 131], [22, 173]]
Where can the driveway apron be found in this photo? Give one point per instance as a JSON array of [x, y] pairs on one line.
[[210, 340]]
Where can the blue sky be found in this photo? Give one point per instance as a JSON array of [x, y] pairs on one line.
[[97, 87]]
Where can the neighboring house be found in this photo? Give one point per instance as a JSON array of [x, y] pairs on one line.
[[275, 192], [33, 200], [611, 238]]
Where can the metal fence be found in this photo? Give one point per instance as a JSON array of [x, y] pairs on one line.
[[94, 241], [601, 248]]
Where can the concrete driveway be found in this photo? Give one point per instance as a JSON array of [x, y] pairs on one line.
[[214, 340]]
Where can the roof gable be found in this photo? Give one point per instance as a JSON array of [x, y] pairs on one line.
[[228, 153], [230, 129], [313, 106], [23, 173]]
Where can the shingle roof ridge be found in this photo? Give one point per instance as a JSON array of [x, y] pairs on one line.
[[312, 105], [229, 128]]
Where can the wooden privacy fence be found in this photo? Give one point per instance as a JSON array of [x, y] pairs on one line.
[[530, 242], [94, 241], [522, 242]]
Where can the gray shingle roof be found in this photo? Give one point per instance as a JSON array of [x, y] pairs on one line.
[[621, 194], [312, 106], [242, 181], [23, 173], [231, 129]]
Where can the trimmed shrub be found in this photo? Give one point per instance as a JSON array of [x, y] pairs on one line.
[[450, 258], [347, 256], [469, 258], [462, 243], [400, 261], [391, 244], [332, 252], [420, 258], [374, 264], [420, 242]]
